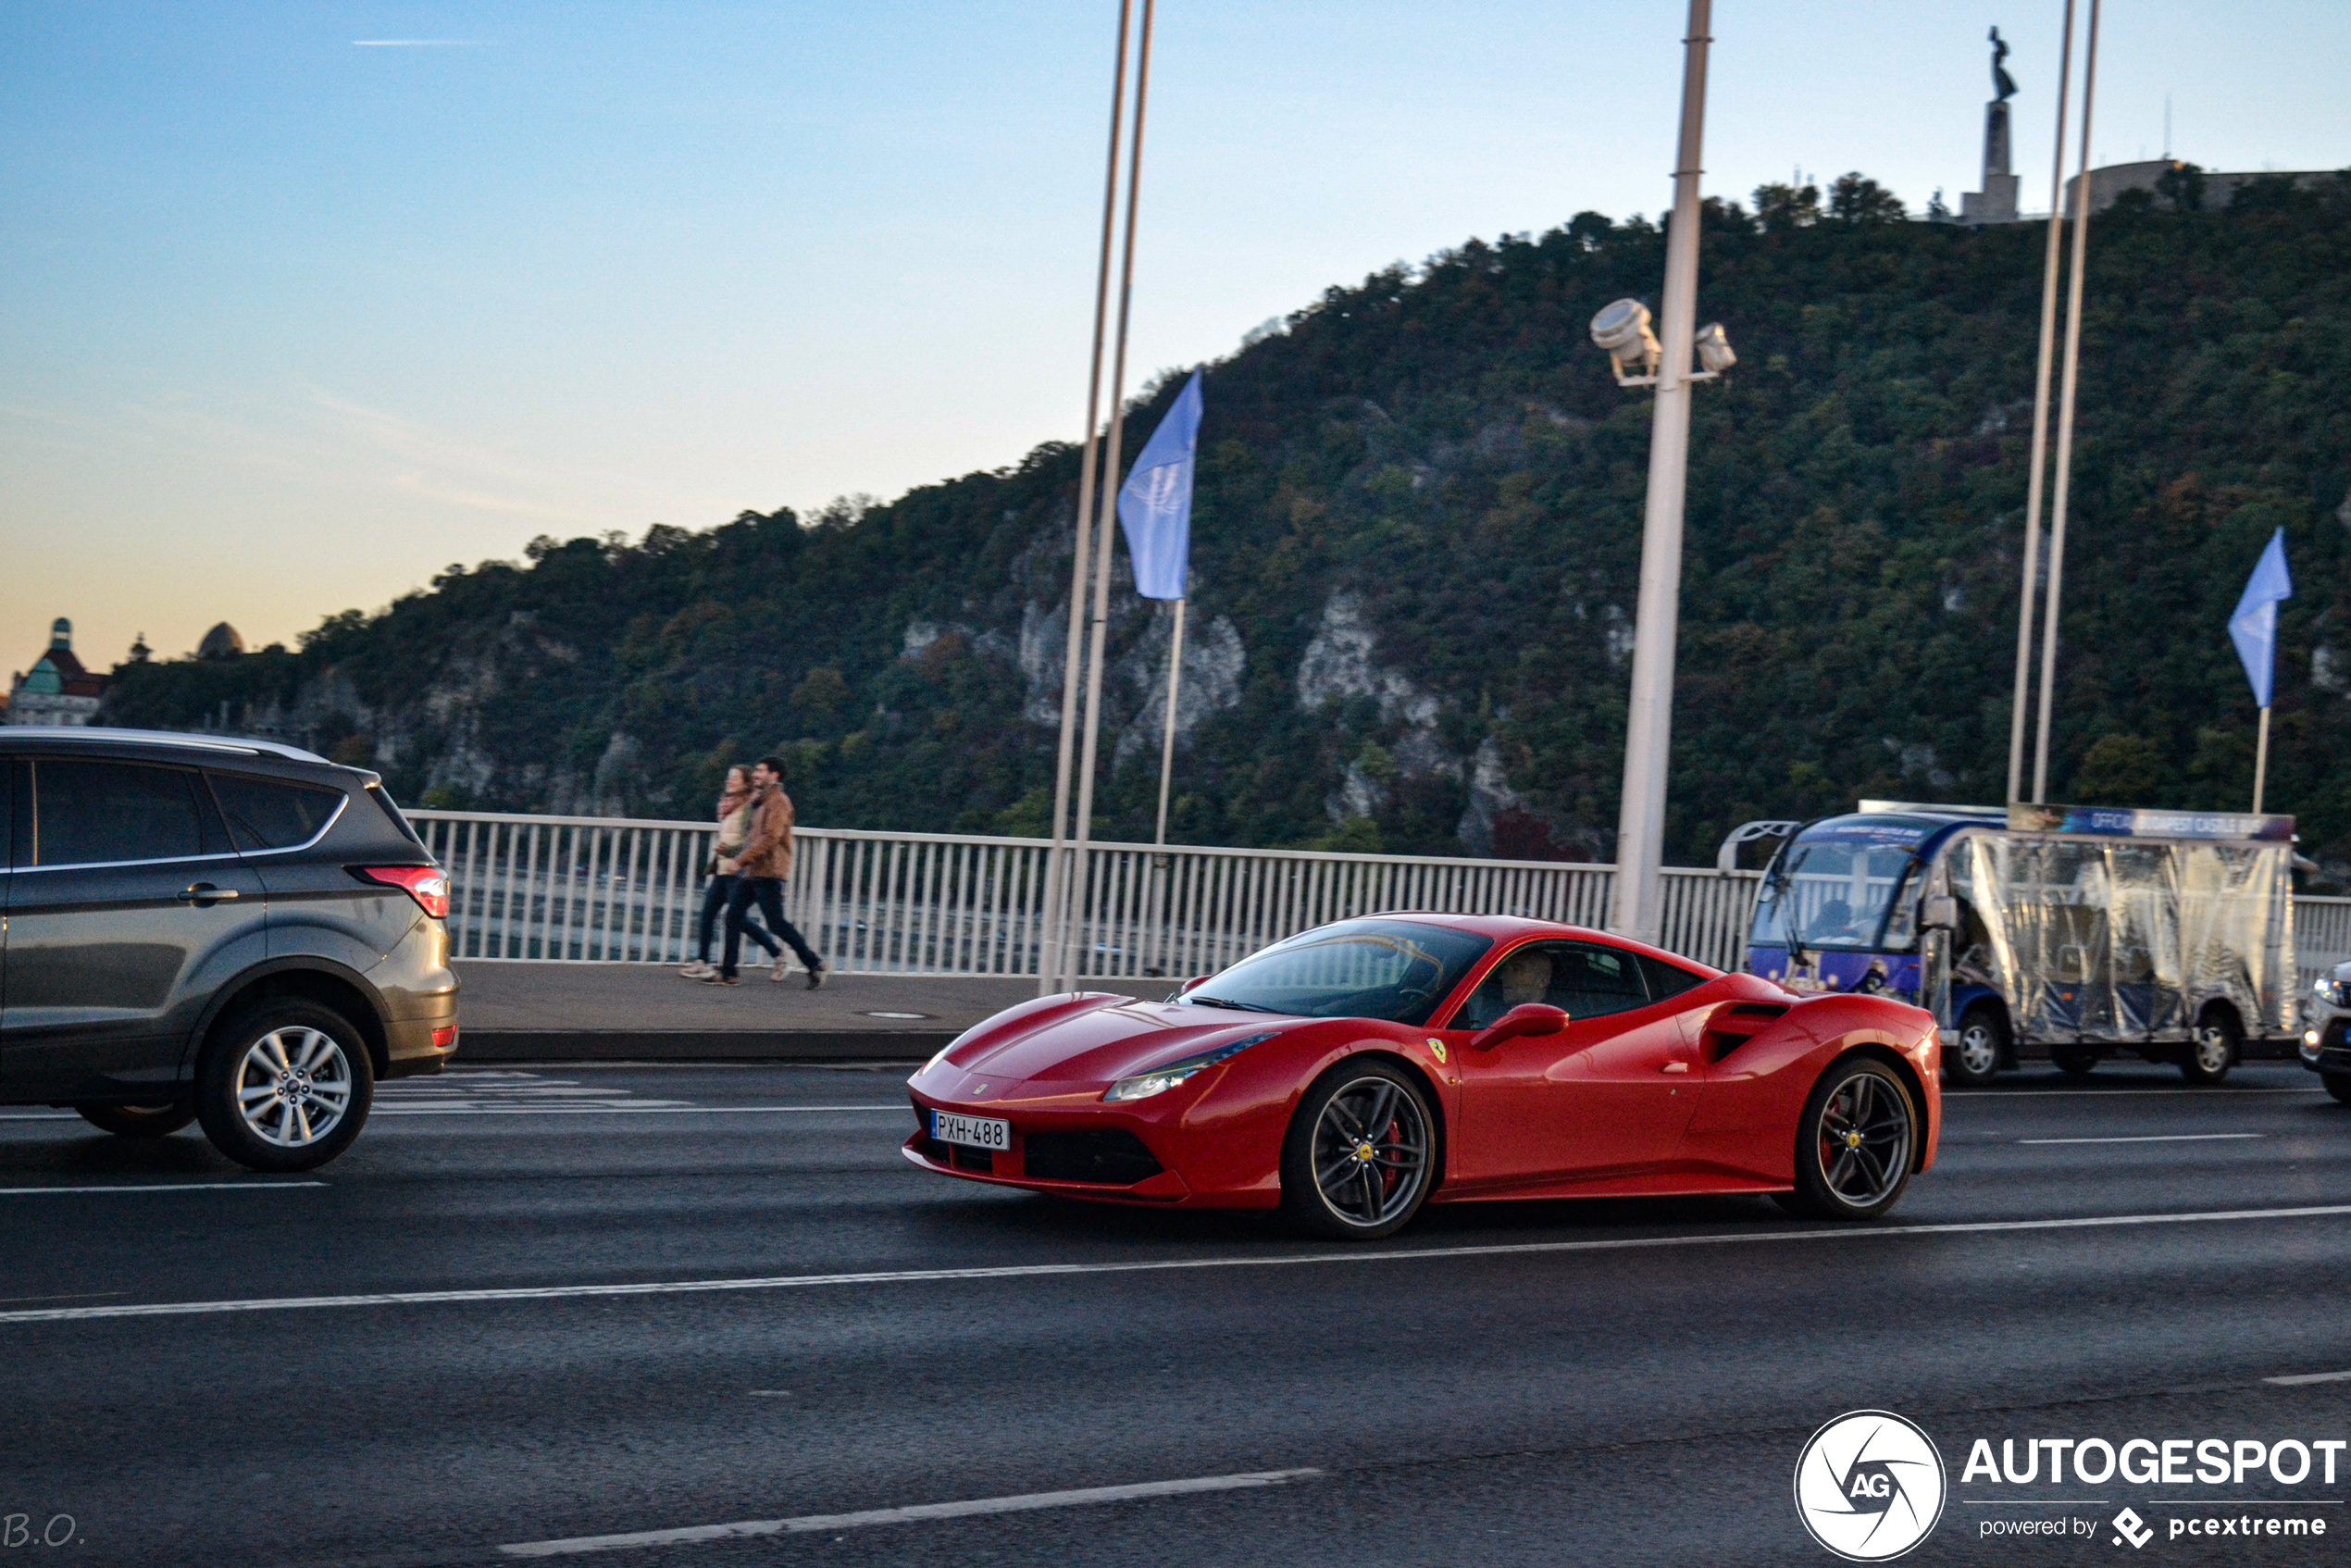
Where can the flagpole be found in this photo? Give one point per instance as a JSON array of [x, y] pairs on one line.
[[1079, 883], [1167, 742], [2261, 761], [1049, 957], [2028, 599], [2065, 419]]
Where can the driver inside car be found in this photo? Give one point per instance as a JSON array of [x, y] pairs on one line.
[[1523, 976]]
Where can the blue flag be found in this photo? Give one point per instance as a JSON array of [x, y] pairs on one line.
[[2254, 627], [1155, 505]]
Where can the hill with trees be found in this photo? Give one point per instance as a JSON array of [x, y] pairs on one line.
[[1416, 540]]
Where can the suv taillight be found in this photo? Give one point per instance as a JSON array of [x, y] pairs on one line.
[[429, 885]]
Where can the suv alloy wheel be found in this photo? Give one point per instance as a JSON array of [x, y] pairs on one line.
[[285, 1087]]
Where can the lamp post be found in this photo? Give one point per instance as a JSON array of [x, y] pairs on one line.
[[1052, 939], [1636, 908]]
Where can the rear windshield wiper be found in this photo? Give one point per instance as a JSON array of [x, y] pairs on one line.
[[1196, 999]]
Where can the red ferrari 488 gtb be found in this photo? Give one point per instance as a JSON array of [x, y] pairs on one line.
[[1354, 1072]]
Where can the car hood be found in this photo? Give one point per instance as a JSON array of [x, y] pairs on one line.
[[1094, 1044]]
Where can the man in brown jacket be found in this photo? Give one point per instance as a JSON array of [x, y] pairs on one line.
[[760, 871]]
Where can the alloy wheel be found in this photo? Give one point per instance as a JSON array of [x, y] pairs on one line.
[[1864, 1141], [1371, 1153], [1979, 1050], [293, 1086]]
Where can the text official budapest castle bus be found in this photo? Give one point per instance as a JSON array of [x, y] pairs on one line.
[[2076, 932]]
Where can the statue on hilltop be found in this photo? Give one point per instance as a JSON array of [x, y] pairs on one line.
[[2003, 84], [1997, 202]]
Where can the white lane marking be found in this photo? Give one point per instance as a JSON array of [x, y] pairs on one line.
[[810, 1523], [2302, 1377], [39, 1116], [1161, 1265], [2153, 1138], [166, 1187], [652, 1110], [2180, 1093]]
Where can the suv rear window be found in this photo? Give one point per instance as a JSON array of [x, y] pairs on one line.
[[274, 813]]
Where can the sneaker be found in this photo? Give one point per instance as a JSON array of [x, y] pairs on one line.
[[815, 975], [698, 969], [715, 978], [775, 973]]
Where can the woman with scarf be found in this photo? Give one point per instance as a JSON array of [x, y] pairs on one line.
[[734, 826]]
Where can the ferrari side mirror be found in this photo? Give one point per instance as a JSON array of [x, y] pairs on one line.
[[1527, 1018], [1194, 981]]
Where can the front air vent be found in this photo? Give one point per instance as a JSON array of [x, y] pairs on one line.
[[1109, 1158]]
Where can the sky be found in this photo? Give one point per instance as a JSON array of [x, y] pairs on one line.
[[307, 300]]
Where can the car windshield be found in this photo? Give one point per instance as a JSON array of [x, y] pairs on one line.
[[1394, 969], [1834, 893]]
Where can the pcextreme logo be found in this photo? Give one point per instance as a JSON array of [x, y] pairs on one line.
[[1870, 1485]]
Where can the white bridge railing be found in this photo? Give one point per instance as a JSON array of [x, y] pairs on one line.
[[603, 889]]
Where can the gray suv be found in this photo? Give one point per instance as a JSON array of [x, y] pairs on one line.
[[225, 931]]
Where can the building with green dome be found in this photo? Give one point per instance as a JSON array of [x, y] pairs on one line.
[[57, 690]]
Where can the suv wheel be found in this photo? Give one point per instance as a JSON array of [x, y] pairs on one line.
[[137, 1121], [285, 1087]]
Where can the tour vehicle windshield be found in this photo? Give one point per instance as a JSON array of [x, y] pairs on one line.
[[1394, 969], [1848, 889]]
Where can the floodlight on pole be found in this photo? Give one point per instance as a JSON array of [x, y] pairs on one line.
[[1622, 332]]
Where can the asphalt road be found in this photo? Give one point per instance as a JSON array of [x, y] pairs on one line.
[[1633, 1385]]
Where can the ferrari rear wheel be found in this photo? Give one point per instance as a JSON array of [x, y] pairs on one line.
[[1357, 1160], [1855, 1146]]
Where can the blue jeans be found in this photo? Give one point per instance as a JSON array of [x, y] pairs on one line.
[[715, 898], [769, 892]]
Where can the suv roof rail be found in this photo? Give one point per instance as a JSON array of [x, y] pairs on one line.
[[237, 743]]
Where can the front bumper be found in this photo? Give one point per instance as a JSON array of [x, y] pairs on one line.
[[1080, 1154], [2331, 1052]]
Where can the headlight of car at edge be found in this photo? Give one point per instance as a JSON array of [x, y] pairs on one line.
[[2334, 992], [1158, 1080]]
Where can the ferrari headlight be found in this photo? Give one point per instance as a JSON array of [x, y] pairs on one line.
[[1158, 1080], [948, 1047], [2334, 992]]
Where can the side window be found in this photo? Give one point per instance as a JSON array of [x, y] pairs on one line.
[[273, 814], [13, 825], [1586, 979], [1668, 979], [1592, 980], [86, 812]]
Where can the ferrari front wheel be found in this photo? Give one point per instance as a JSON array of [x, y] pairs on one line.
[[1855, 1143], [1357, 1160]]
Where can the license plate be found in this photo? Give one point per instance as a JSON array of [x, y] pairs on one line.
[[972, 1132]]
